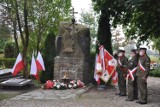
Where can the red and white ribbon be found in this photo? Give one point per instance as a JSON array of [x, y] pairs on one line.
[[131, 72], [119, 62], [141, 67]]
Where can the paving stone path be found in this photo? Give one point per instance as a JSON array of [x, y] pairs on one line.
[[50, 94], [84, 97]]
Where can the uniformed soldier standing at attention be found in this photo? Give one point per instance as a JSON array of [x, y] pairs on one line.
[[132, 79], [142, 74], [121, 70]]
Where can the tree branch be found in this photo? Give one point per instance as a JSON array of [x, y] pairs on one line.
[[19, 23]]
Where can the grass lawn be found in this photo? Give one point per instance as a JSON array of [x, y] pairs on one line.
[[7, 95]]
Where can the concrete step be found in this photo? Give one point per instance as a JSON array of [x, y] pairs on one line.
[[9, 76], [4, 79]]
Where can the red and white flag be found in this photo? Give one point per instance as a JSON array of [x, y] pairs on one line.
[[104, 74], [18, 66], [98, 68], [40, 62], [108, 65], [111, 65], [102, 57], [33, 70]]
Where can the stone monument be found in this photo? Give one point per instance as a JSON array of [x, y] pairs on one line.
[[73, 52]]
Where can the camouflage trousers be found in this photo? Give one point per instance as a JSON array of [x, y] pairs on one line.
[[132, 89], [142, 89], [122, 83]]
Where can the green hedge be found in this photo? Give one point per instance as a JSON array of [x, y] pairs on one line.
[[7, 62], [155, 73], [9, 50]]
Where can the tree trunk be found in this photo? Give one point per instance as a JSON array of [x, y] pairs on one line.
[[24, 53], [25, 48], [15, 37], [104, 32], [19, 23]]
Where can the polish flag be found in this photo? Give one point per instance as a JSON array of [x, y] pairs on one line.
[[98, 69], [40, 62], [111, 65], [33, 70], [18, 66], [102, 57], [107, 64], [103, 75]]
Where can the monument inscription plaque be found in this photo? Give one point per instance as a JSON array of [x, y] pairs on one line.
[[73, 48]]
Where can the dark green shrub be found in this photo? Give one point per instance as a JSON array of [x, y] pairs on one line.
[[9, 50], [92, 66], [7, 62], [155, 73], [1, 62], [49, 53], [1, 51]]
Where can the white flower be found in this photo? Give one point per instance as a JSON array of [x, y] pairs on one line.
[[69, 86], [62, 84], [58, 86], [74, 85]]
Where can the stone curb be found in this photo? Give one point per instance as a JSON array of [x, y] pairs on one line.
[[84, 90]]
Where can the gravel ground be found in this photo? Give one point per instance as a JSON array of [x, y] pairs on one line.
[[94, 98]]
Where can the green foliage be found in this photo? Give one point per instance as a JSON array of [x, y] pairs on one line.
[[106, 8], [35, 19], [45, 16], [4, 36], [89, 19], [155, 73], [7, 62], [156, 44], [140, 18], [5, 32], [49, 53], [9, 50], [2, 43], [143, 20]]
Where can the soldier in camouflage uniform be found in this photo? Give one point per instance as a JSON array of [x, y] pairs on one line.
[[132, 81], [121, 70], [142, 74]]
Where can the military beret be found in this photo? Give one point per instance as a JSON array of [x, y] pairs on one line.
[[143, 49], [121, 50], [133, 50]]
